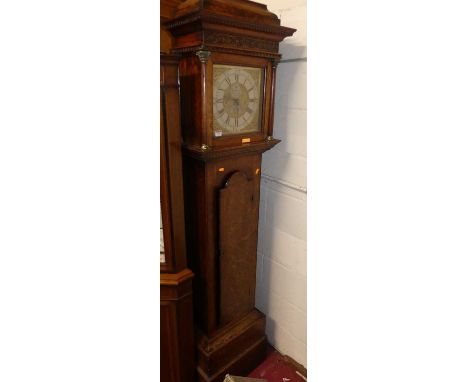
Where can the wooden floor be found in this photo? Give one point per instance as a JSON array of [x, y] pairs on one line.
[[279, 368]]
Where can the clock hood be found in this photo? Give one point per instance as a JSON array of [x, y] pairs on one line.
[[238, 9], [226, 24]]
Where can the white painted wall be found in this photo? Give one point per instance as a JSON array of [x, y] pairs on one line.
[[281, 262]]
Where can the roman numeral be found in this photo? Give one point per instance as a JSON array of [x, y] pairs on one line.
[[219, 113]]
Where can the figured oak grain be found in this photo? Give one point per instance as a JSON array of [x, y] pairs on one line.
[[238, 244]]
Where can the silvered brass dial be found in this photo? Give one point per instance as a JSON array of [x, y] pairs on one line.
[[237, 99]]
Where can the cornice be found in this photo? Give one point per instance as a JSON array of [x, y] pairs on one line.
[[205, 17]]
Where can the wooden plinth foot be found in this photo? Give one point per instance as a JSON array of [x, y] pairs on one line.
[[236, 349]]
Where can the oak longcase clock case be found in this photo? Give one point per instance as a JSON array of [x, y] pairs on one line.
[[228, 53]]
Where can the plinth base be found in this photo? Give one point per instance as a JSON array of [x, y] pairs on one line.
[[236, 349]]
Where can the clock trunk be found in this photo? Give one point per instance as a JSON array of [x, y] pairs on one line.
[[222, 231]]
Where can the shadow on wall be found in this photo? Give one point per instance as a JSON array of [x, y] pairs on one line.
[[293, 52], [287, 161], [281, 277]]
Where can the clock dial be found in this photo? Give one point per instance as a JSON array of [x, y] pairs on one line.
[[237, 99]]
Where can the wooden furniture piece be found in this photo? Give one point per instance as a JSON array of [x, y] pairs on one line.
[[177, 342], [229, 54], [177, 331], [167, 9]]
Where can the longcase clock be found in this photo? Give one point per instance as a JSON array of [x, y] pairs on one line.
[[229, 54], [177, 352]]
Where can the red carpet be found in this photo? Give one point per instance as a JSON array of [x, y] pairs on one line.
[[276, 368]]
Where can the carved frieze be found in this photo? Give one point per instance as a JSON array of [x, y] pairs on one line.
[[223, 39]]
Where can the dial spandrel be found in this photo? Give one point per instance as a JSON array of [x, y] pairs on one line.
[[237, 99]]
